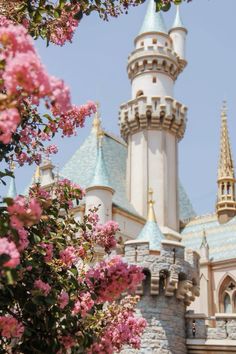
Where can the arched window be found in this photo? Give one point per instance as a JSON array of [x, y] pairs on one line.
[[227, 304], [227, 295]]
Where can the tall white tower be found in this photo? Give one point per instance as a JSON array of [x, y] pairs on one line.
[[153, 122]]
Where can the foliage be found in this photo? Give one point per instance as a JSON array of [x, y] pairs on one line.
[[51, 297], [165, 5]]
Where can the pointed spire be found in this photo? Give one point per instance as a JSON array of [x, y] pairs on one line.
[[96, 125], [226, 203], [178, 23], [226, 166], [37, 175], [204, 243], [151, 214], [151, 231], [100, 177], [153, 20], [12, 193]]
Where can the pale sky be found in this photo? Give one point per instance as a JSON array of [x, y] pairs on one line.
[[94, 66]]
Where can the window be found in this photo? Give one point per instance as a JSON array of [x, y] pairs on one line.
[[227, 304], [227, 295], [142, 44], [154, 79], [154, 41], [139, 93]]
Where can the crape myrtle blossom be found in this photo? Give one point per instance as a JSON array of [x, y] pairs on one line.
[[10, 327], [25, 83], [9, 249]]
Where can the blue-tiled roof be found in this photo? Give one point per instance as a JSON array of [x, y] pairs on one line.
[[221, 238], [151, 233], [153, 20], [81, 167]]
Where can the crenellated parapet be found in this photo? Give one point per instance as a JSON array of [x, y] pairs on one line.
[[173, 271], [155, 58], [153, 113]]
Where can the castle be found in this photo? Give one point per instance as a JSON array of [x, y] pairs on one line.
[[135, 181]]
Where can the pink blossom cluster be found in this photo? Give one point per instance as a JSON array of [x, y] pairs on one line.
[[42, 286], [67, 191], [24, 212], [69, 256], [83, 304], [67, 341], [63, 299], [25, 83], [104, 235], [48, 248], [9, 249], [124, 329], [9, 120], [110, 278], [10, 327], [62, 29]]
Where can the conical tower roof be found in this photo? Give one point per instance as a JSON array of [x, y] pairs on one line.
[[153, 20], [151, 231], [12, 193], [226, 165], [100, 177], [178, 23]]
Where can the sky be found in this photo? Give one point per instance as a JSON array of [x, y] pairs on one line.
[[94, 66]]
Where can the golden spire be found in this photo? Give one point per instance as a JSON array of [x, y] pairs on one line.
[[226, 165], [96, 127], [151, 213], [37, 175], [12, 166]]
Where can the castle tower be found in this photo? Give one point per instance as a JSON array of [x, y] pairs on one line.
[[46, 173], [226, 203], [99, 193], [171, 284], [11, 193], [153, 122]]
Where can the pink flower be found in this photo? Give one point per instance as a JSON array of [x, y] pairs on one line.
[[44, 287], [63, 299], [9, 120], [23, 239], [110, 278], [48, 247], [10, 327], [51, 149], [15, 39], [60, 96], [67, 341], [104, 235], [25, 72], [69, 256], [83, 304], [24, 213], [9, 249]]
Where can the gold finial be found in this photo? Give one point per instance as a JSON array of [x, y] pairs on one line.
[[151, 213], [37, 175], [97, 121], [12, 166], [224, 110]]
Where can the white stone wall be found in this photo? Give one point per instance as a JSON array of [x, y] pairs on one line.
[[102, 197]]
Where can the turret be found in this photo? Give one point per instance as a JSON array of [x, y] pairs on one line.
[[153, 122], [12, 193], [226, 203], [171, 284], [100, 192], [46, 173], [178, 33]]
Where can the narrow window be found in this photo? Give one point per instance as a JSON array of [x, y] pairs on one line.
[[227, 304], [154, 41], [154, 79]]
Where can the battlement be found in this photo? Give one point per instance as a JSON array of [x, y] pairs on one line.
[[216, 333], [172, 271], [155, 58], [156, 113]]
